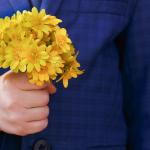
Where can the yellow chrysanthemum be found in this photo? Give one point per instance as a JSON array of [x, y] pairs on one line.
[[71, 70], [14, 33], [40, 22], [56, 62], [36, 56], [56, 48], [14, 57], [40, 77], [62, 39], [4, 24], [32, 42], [18, 18], [25, 55], [2, 52]]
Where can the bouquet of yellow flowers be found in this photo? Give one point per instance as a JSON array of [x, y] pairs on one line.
[[32, 42]]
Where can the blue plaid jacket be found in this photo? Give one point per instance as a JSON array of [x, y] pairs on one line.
[[107, 108]]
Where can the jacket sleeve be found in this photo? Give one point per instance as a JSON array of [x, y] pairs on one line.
[[136, 77]]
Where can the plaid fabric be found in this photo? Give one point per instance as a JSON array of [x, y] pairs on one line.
[[109, 104], [136, 77]]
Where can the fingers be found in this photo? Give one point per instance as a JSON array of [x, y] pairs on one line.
[[36, 126], [36, 114], [32, 99], [25, 128], [16, 124], [25, 111]]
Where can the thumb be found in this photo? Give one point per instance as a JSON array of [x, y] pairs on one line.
[[51, 88]]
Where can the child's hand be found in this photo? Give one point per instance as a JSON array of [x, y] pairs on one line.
[[23, 106]]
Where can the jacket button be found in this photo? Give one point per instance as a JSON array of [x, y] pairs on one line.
[[42, 145]]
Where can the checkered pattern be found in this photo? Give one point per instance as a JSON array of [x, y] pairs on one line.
[[136, 77], [109, 103]]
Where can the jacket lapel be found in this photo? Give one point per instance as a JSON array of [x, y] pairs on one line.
[[20, 5], [51, 6]]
